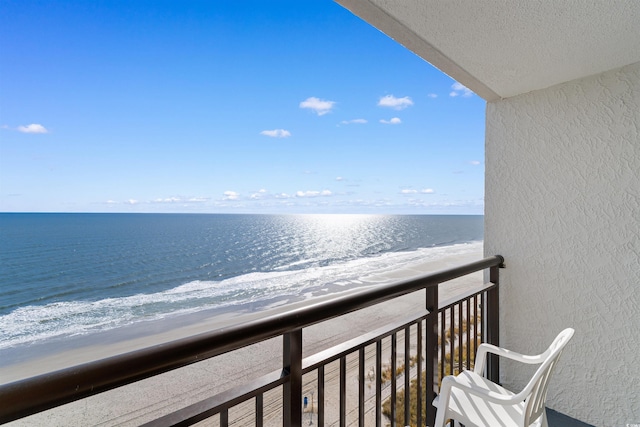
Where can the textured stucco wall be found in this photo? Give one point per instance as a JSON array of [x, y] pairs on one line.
[[562, 205]]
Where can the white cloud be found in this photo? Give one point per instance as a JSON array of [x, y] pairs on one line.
[[317, 105], [160, 200], [458, 86], [311, 193], [258, 194], [171, 200], [393, 121], [168, 200], [395, 103], [230, 195], [412, 191], [460, 90], [474, 162], [339, 178], [432, 95], [33, 128], [354, 121], [276, 133]]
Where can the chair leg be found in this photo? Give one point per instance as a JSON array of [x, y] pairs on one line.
[[440, 420]]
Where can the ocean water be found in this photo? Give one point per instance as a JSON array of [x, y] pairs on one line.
[[65, 275]]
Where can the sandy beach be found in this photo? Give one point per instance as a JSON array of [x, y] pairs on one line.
[[150, 398]]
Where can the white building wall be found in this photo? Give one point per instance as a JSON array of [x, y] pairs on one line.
[[562, 206]]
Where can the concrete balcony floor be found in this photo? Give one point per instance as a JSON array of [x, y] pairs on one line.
[[556, 419]]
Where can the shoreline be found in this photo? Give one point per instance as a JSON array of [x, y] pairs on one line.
[[30, 360], [147, 399], [51, 325]]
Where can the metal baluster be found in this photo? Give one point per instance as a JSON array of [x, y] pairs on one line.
[[259, 410], [493, 331], [407, 371], [394, 386], [443, 342], [431, 298], [292, 367], [379, 383], [361, 388], [470, 330], [419, 391], [483, 317], [224, 418], [343, 391], [452, 338], [321, 396], [476, 329], [460, 333]]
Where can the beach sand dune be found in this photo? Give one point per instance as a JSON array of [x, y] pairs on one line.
[[146, 400]]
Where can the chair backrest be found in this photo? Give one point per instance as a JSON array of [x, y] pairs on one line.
[[537, 387]]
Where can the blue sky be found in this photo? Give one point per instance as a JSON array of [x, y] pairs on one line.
[[227, 107]]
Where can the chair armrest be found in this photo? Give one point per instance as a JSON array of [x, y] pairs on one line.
[[450, 382], [481, 356]]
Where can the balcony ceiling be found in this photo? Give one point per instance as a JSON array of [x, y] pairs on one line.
[[503, 48]]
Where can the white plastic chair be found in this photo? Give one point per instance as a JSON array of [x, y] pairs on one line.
[[473, 400]]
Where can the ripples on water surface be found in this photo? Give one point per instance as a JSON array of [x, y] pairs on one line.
[[65, 274]]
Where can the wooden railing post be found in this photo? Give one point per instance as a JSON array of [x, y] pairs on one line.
[[292, 389], [431, 353], [492, 313]]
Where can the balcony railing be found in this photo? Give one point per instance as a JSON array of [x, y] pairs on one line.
[[438, 340]]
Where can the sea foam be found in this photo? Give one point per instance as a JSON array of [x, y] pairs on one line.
[[31, 324]]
